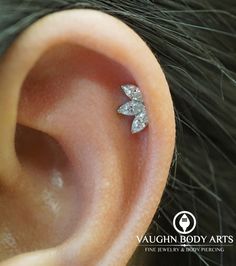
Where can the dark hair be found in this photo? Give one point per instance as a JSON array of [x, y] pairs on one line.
[[195, 43]]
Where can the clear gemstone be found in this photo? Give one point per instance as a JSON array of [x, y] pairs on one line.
[[135, 107], [131, 108], [133, 92], [140, 122]]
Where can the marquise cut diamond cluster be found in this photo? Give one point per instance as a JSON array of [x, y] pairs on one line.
[[135, 107]]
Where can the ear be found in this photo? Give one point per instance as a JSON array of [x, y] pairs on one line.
[[76, 185]]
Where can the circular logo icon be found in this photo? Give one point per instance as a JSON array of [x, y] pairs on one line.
[[184, 222]]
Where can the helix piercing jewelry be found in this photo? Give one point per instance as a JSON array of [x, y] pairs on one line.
[[135, 107]]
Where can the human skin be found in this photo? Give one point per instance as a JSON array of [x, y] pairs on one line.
[[59, 82]]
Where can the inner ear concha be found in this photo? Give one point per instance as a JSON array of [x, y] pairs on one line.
[[44, 215]]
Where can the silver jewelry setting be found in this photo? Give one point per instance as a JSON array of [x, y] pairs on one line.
[[135, 107]]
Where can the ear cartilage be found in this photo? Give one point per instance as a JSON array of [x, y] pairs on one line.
[[135, 107]]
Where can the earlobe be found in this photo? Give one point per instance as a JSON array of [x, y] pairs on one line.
[[68, 89]]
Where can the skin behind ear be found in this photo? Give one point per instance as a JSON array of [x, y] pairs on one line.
[[76, 185]]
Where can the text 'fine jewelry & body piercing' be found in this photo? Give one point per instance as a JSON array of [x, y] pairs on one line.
[[135, 107]]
